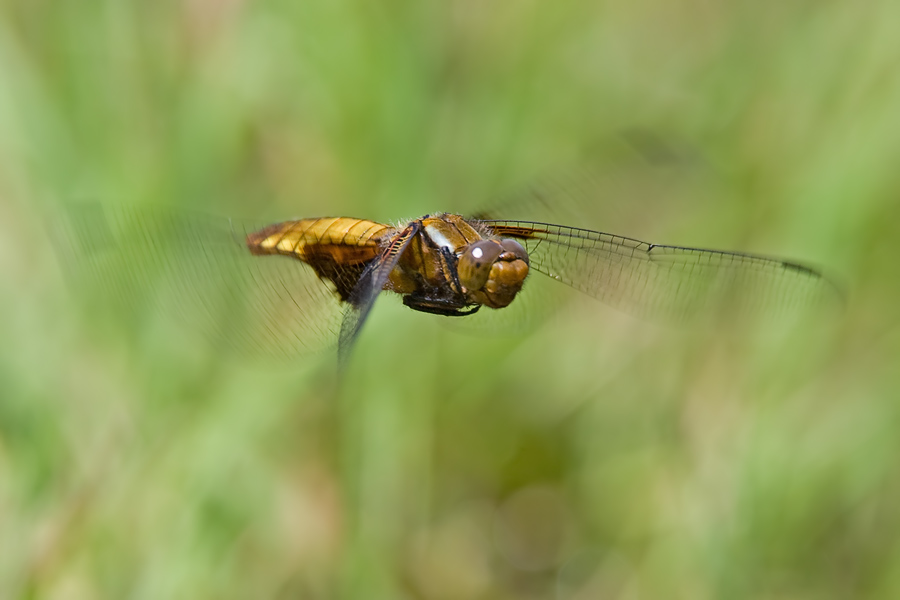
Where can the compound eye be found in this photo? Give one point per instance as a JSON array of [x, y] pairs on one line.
[[475, 264], [516, 248]]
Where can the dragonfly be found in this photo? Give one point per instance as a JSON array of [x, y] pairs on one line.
[[301, 285]]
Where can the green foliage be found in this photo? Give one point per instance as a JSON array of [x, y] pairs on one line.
[[594, 457]]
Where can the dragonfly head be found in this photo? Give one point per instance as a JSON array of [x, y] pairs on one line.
[[493, 271]]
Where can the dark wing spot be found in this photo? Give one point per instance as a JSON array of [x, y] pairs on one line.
[[792, 266]]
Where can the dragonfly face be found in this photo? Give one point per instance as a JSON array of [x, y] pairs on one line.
[[443, 264], [493, 271]]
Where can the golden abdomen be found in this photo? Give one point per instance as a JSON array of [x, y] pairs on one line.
[[343, 240]]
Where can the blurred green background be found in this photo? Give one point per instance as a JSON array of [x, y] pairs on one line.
[[600, 457]]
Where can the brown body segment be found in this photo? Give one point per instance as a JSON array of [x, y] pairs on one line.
[[337, 248], [341, 237], [422, 262]]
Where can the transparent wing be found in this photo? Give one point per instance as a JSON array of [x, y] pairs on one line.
[[370, 285], [198, 270], [670, 282]]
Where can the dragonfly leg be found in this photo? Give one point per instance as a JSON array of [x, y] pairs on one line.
[[439, 306], [448, 264], [450, 301]]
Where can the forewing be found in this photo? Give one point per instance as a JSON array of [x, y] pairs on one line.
[[658, 281], [370, 284], [198, 270]]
